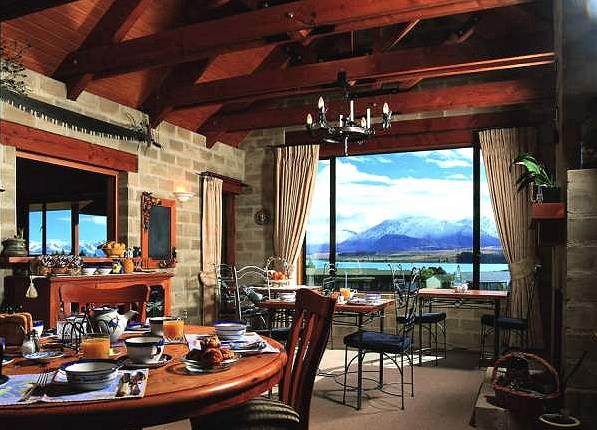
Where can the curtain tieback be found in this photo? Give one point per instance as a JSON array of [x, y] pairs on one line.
[[521, 269], [208, 279]]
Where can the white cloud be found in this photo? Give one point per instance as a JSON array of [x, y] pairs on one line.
[[447, 164], [63, 219], [457, 176], [365, 200], [97, 220]]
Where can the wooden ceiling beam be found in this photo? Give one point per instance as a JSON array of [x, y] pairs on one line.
[[483, 95], [460, 36], [403, 143], [396, 65], [200, 40], [395, 37], [513, 118], [111, 28], [181, 76], [12, 9]]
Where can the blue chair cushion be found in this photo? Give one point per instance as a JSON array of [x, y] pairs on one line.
[[505, 323], [378, 342], [426, 318]]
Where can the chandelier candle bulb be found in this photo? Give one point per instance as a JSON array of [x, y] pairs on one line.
[[309, 119], [321, 104], [341, 120], [386, 109], [368, 117], [352, 110], [363, 122]]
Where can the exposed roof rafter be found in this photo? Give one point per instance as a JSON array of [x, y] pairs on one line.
[[250, 29]]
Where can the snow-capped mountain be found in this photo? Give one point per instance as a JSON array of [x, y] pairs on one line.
[[414, 233], [86, 248]]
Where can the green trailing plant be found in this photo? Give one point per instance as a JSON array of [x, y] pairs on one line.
[[534, 175]]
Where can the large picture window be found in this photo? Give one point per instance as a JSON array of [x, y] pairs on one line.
[[416, 209], [64, 209]]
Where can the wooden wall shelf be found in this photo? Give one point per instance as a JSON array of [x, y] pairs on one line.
[[541, 211], [23, 260]]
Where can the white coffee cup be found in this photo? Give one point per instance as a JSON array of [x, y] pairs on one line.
[[145, 349]]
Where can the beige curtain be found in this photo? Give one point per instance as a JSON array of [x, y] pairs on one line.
[[512, 211], [211, 246], [296, 168]]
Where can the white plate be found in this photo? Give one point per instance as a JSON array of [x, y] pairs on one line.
[[129, 364], [44, 356], [7, 360]]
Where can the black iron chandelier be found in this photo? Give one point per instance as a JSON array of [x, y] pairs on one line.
[[348, 130]]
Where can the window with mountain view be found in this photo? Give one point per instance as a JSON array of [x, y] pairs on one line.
[[64, 210], [414, 209]]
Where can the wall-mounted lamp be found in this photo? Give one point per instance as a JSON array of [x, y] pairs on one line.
[[183, 196]]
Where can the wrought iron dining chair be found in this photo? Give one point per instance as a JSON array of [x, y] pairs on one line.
[[308, 338], [388, 345], [75, 297], [433, 323], [506, 324]]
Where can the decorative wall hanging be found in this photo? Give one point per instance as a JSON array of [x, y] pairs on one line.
[[262, 217], [147, 202], [13, 90]]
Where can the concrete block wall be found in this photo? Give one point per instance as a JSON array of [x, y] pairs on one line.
[[159, 171], [580, 295], [254, 243]]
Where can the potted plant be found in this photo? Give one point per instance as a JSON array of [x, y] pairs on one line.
[[544, 188]]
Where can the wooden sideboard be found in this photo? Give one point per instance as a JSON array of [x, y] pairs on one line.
[[47, 305]]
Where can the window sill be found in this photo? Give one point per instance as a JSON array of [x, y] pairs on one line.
[[27, 259]]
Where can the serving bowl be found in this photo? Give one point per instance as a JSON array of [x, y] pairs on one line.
[[104, 270], [91, 374], [88, 270], [230, 329]]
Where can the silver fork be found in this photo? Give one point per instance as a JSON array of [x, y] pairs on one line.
[[42, 382]]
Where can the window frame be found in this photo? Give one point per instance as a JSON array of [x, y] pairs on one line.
[[112, 207], [476, 249]]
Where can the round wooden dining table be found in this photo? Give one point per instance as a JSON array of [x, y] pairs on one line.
[[171, 393]]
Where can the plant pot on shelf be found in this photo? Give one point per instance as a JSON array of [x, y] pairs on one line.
[[548, 211], [550, 195]]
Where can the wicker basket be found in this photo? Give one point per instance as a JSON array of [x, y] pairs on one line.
[[524, 401]]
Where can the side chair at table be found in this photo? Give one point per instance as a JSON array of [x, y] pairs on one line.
[[389, 345], [132, 296], [308, 338]]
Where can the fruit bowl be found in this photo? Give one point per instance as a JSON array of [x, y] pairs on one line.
[[113, 249]]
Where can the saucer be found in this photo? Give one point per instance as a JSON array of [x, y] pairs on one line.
[[127, 363], [44, 356]]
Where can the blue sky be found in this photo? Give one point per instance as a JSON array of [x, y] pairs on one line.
[[91, 228], [373, 188]]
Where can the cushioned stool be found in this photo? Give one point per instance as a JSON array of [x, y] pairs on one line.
[[434, 323]]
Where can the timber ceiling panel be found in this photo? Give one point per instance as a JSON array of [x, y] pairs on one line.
[[181, 47]]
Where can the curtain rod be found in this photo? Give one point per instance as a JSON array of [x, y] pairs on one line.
[[207, 173]]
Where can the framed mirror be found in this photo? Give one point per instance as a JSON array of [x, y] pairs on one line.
[[158, 232]]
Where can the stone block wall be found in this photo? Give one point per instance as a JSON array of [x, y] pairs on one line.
[[161, 172], [580, 295], [254, 243]]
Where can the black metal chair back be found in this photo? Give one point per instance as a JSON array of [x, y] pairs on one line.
[[229, 294], [406, 299]]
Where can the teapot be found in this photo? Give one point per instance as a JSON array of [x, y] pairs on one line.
[[108, 320]]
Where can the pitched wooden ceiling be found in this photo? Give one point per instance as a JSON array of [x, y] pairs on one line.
[[223, 67]]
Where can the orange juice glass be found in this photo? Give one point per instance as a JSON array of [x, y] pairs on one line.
[[96, 345], [345, 293], [174, 329]]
